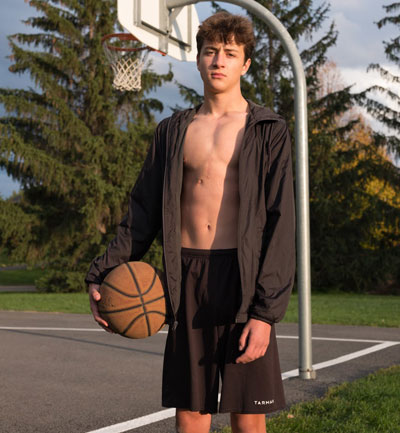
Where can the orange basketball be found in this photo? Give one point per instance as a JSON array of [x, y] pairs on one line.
[[132, 300]]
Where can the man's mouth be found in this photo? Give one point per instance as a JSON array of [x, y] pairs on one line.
[[217, 75]]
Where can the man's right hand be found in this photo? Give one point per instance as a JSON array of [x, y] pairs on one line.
[[94, 298]]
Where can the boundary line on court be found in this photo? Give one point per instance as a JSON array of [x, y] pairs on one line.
[[289, 337], [42, 328]]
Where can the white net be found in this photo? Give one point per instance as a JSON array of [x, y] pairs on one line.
[[128, 74], [127, 66]]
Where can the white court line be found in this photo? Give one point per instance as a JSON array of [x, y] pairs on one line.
[[290, 337], [169, 413], [344, 358], [137, 422], [37, 328], [350, 340]]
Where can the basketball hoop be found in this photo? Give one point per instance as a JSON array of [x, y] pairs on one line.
[[127, 56]]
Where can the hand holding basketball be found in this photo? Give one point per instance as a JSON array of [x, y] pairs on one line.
[[94, 298]]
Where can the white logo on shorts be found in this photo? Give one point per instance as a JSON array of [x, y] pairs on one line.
[[263, 402]]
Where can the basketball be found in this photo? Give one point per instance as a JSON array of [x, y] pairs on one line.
[[132, 300]]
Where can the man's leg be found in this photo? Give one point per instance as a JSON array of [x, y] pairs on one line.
[[248, 423], [192, 422]]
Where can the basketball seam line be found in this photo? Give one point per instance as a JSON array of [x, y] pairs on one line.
[[139, 316], [127, 294], [133, 307], [120, 291], [141, 297]]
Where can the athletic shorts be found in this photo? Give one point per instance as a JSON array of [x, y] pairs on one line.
[[204, 346]]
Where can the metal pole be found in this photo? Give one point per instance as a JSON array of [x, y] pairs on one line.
[[302, 194]]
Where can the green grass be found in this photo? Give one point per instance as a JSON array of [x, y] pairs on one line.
[[368, 405], [337, 309], [46, 302], [20, 277], [350, 309]]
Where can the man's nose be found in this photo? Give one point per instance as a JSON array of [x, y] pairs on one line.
[[219, 60]]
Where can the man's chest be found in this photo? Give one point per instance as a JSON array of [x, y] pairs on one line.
[[210, 143]]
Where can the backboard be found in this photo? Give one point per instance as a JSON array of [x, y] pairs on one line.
[[173, 33]]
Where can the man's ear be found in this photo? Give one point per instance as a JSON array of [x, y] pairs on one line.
[[246, 66]]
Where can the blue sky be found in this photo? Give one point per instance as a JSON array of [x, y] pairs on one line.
[[359, 44]]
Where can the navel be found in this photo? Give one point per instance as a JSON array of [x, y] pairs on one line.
[[208, 226], [200, 181]]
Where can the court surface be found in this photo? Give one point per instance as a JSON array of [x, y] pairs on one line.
[[62, 373]]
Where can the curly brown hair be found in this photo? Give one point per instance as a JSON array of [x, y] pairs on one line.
[[225, 27]]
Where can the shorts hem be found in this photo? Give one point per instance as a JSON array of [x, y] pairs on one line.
[[254, 411], [188, 408]]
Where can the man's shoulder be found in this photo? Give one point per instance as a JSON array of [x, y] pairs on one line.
[[260, 113]]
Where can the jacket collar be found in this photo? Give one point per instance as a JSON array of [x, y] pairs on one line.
[[257, 114]]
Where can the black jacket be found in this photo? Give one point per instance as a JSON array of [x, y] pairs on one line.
[[266, 229]]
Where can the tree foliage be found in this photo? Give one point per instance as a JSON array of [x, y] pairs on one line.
[[75, 144]]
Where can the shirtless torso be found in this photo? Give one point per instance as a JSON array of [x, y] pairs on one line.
[[210, 191]]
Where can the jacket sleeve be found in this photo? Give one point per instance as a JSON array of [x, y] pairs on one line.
[[277, 262], [141, 224]]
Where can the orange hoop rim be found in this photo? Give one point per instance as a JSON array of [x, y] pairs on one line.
[[126, 37]]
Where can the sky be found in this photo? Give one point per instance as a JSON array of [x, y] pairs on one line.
[[360, 43]]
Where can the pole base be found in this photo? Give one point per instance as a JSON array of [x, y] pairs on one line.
[[308, 374]]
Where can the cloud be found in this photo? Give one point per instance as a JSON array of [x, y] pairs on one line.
[[349, 4]]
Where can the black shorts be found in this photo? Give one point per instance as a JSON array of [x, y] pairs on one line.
[[204, 345]]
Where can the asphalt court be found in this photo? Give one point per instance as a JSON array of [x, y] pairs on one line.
[[62, 373]]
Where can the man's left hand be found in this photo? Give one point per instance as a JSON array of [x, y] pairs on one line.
[[255, 339]]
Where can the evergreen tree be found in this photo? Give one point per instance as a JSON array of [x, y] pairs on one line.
[[388, 116], [75, 144]]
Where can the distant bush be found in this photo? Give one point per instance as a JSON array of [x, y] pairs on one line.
[[56, 281]]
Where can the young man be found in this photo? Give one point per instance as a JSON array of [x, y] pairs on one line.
[[218, 181]]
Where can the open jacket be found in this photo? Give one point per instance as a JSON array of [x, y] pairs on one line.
[[266, 228]]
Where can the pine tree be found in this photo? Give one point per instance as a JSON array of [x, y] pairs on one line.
[[386, 115], [75, 144]]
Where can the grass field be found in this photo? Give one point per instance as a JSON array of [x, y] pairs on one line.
[[350, 309], [343, 309], [45, 302], [368, 405]]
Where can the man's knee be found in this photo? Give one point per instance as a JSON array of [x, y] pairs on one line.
[[192, 422], [248, 423]]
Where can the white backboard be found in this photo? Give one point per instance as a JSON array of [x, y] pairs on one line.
[[153, 24]]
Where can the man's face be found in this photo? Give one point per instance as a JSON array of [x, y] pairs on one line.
[[221, 65]]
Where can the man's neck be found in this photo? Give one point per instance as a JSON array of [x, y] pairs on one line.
[[217, 105]]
